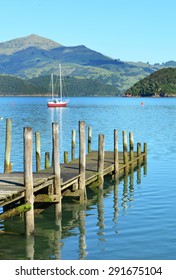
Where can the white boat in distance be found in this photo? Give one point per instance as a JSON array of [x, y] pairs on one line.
[[57, 101]]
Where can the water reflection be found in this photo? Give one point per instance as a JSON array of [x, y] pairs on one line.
[[82, 236], [128, 185], [100, 210], [54, 236], [116, 207], [30, 248], [125, 192]]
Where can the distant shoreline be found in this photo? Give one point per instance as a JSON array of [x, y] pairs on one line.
[[48, 96]]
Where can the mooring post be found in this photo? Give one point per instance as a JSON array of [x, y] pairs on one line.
[[28, 181], [131, 145], [56, 168], [47, 159], [145, 152], [138, 149], [82, 158], [73, 144], [89, 139], [65, 157], [38, 155], [145, 158], [101, 160], [116, 152], [125, 147], [139, 154], [7, 163]]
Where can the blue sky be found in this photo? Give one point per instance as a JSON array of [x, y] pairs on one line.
[[131, 30]]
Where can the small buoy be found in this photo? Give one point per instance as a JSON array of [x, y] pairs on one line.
[[142, 103]]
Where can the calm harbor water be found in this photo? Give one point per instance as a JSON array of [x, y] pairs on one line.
[[134, 219]]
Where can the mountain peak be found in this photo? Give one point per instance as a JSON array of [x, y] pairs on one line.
[[22, 43]]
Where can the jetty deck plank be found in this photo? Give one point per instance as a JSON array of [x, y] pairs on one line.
[[12, 184]]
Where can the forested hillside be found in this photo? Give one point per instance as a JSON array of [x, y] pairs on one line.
[[12, 85], [159, 84]]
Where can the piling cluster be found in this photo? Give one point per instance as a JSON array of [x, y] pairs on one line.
[[122, 162]]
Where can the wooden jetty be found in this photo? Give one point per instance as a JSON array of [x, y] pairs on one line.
[[22, 192]]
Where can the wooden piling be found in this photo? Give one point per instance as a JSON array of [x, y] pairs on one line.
[[116, 152], [7, 163], [28, 180], [89, 139], [139, 154], [73, 184], [145, 151], [131, 145], [65, 157], [73, 144], [47, 160], [138, 149], [38, 155], [125, 147], [15, 211], [101, 160], [82, 156], [56, 168]]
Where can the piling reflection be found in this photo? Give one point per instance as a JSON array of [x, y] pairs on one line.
[[52, 233], [30, 247], [131, 185], [116, 207], [100, 210], [82, 237], [125, 192]]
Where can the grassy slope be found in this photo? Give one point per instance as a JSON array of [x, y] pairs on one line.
[[33, 56]]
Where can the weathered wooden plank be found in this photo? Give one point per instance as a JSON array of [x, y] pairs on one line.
[[47, 198], [70, 182], [12, 184], [11, 199], [15, 211]]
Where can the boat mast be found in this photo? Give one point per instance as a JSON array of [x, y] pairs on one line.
[[52, 87], [60, 81]]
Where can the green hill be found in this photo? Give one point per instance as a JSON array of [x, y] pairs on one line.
[[161, 83], [35, 56]]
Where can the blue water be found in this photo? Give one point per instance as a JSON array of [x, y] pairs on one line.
[[132, 220]]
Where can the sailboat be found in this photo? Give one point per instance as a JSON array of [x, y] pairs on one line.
[[57, 101]]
